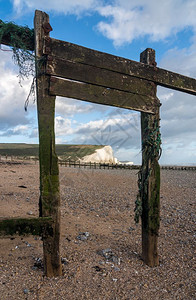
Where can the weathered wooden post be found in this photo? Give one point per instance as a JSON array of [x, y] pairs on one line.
[[150, 175], [49, 171]]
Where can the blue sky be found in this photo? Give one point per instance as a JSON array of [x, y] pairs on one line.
[[123, 28]]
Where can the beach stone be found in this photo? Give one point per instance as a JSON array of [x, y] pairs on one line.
[[30, 213], [64, 260], [109, 255], [83, 236]]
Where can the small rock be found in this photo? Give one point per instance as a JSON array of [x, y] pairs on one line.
[[38, 263], [109, 255], [64, 261], [131, 228], [83, 236], [97, 268], [30, 213], [26, 291]]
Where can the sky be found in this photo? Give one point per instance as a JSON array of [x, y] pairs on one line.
[[120, 27]]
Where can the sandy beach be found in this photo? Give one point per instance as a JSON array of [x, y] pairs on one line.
[[100, 242]]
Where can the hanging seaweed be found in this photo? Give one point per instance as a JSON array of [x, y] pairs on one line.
[[151, 148], [138, 201], [21, 41], [16, 36], [151, 144]]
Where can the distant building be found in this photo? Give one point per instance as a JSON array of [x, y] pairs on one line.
[[126, 162]]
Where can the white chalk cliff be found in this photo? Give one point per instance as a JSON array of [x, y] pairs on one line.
[[103, 155]]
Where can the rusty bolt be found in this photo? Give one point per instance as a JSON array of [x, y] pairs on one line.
[[47, 27]]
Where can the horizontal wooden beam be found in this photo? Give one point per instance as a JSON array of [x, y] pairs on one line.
[[90, 74], [23, 226], [23, 34], [76, 53], [101, 95]]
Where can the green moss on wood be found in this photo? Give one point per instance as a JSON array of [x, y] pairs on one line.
[[149, 179], [22, 226], [154, 205]]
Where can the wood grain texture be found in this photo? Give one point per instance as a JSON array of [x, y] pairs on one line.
[[49, 171], [90, 74], [76, 53], [102, 95], [150, 178], [24, 226]]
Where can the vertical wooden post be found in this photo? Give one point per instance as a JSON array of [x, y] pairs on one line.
[[49, 170], [150, 175]]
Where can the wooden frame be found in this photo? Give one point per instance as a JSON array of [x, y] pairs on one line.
[[73, 71]]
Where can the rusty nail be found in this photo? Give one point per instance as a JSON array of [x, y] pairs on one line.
[[48, 71], [50, 57], [53, 79], [47, 50]]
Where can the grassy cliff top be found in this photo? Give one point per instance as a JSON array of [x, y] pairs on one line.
[[64, 151]]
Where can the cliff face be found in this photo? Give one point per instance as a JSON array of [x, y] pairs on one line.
[[103, 155]]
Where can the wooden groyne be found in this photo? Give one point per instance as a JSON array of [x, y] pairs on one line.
[[93, 165], [89, 165]]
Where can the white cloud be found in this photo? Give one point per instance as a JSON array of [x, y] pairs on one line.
[[182, 61], [17, 130], [125, 20], [122, 21], [59, 6], [67, 106], [119, 130], [62, 126], [128, 20], [20, 129], [178, 111], [12, 95]]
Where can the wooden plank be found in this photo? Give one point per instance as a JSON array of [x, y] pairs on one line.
[[101, 95], [22, 226], [149, 186], [49, 171], [76, 53], [90, 74]]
